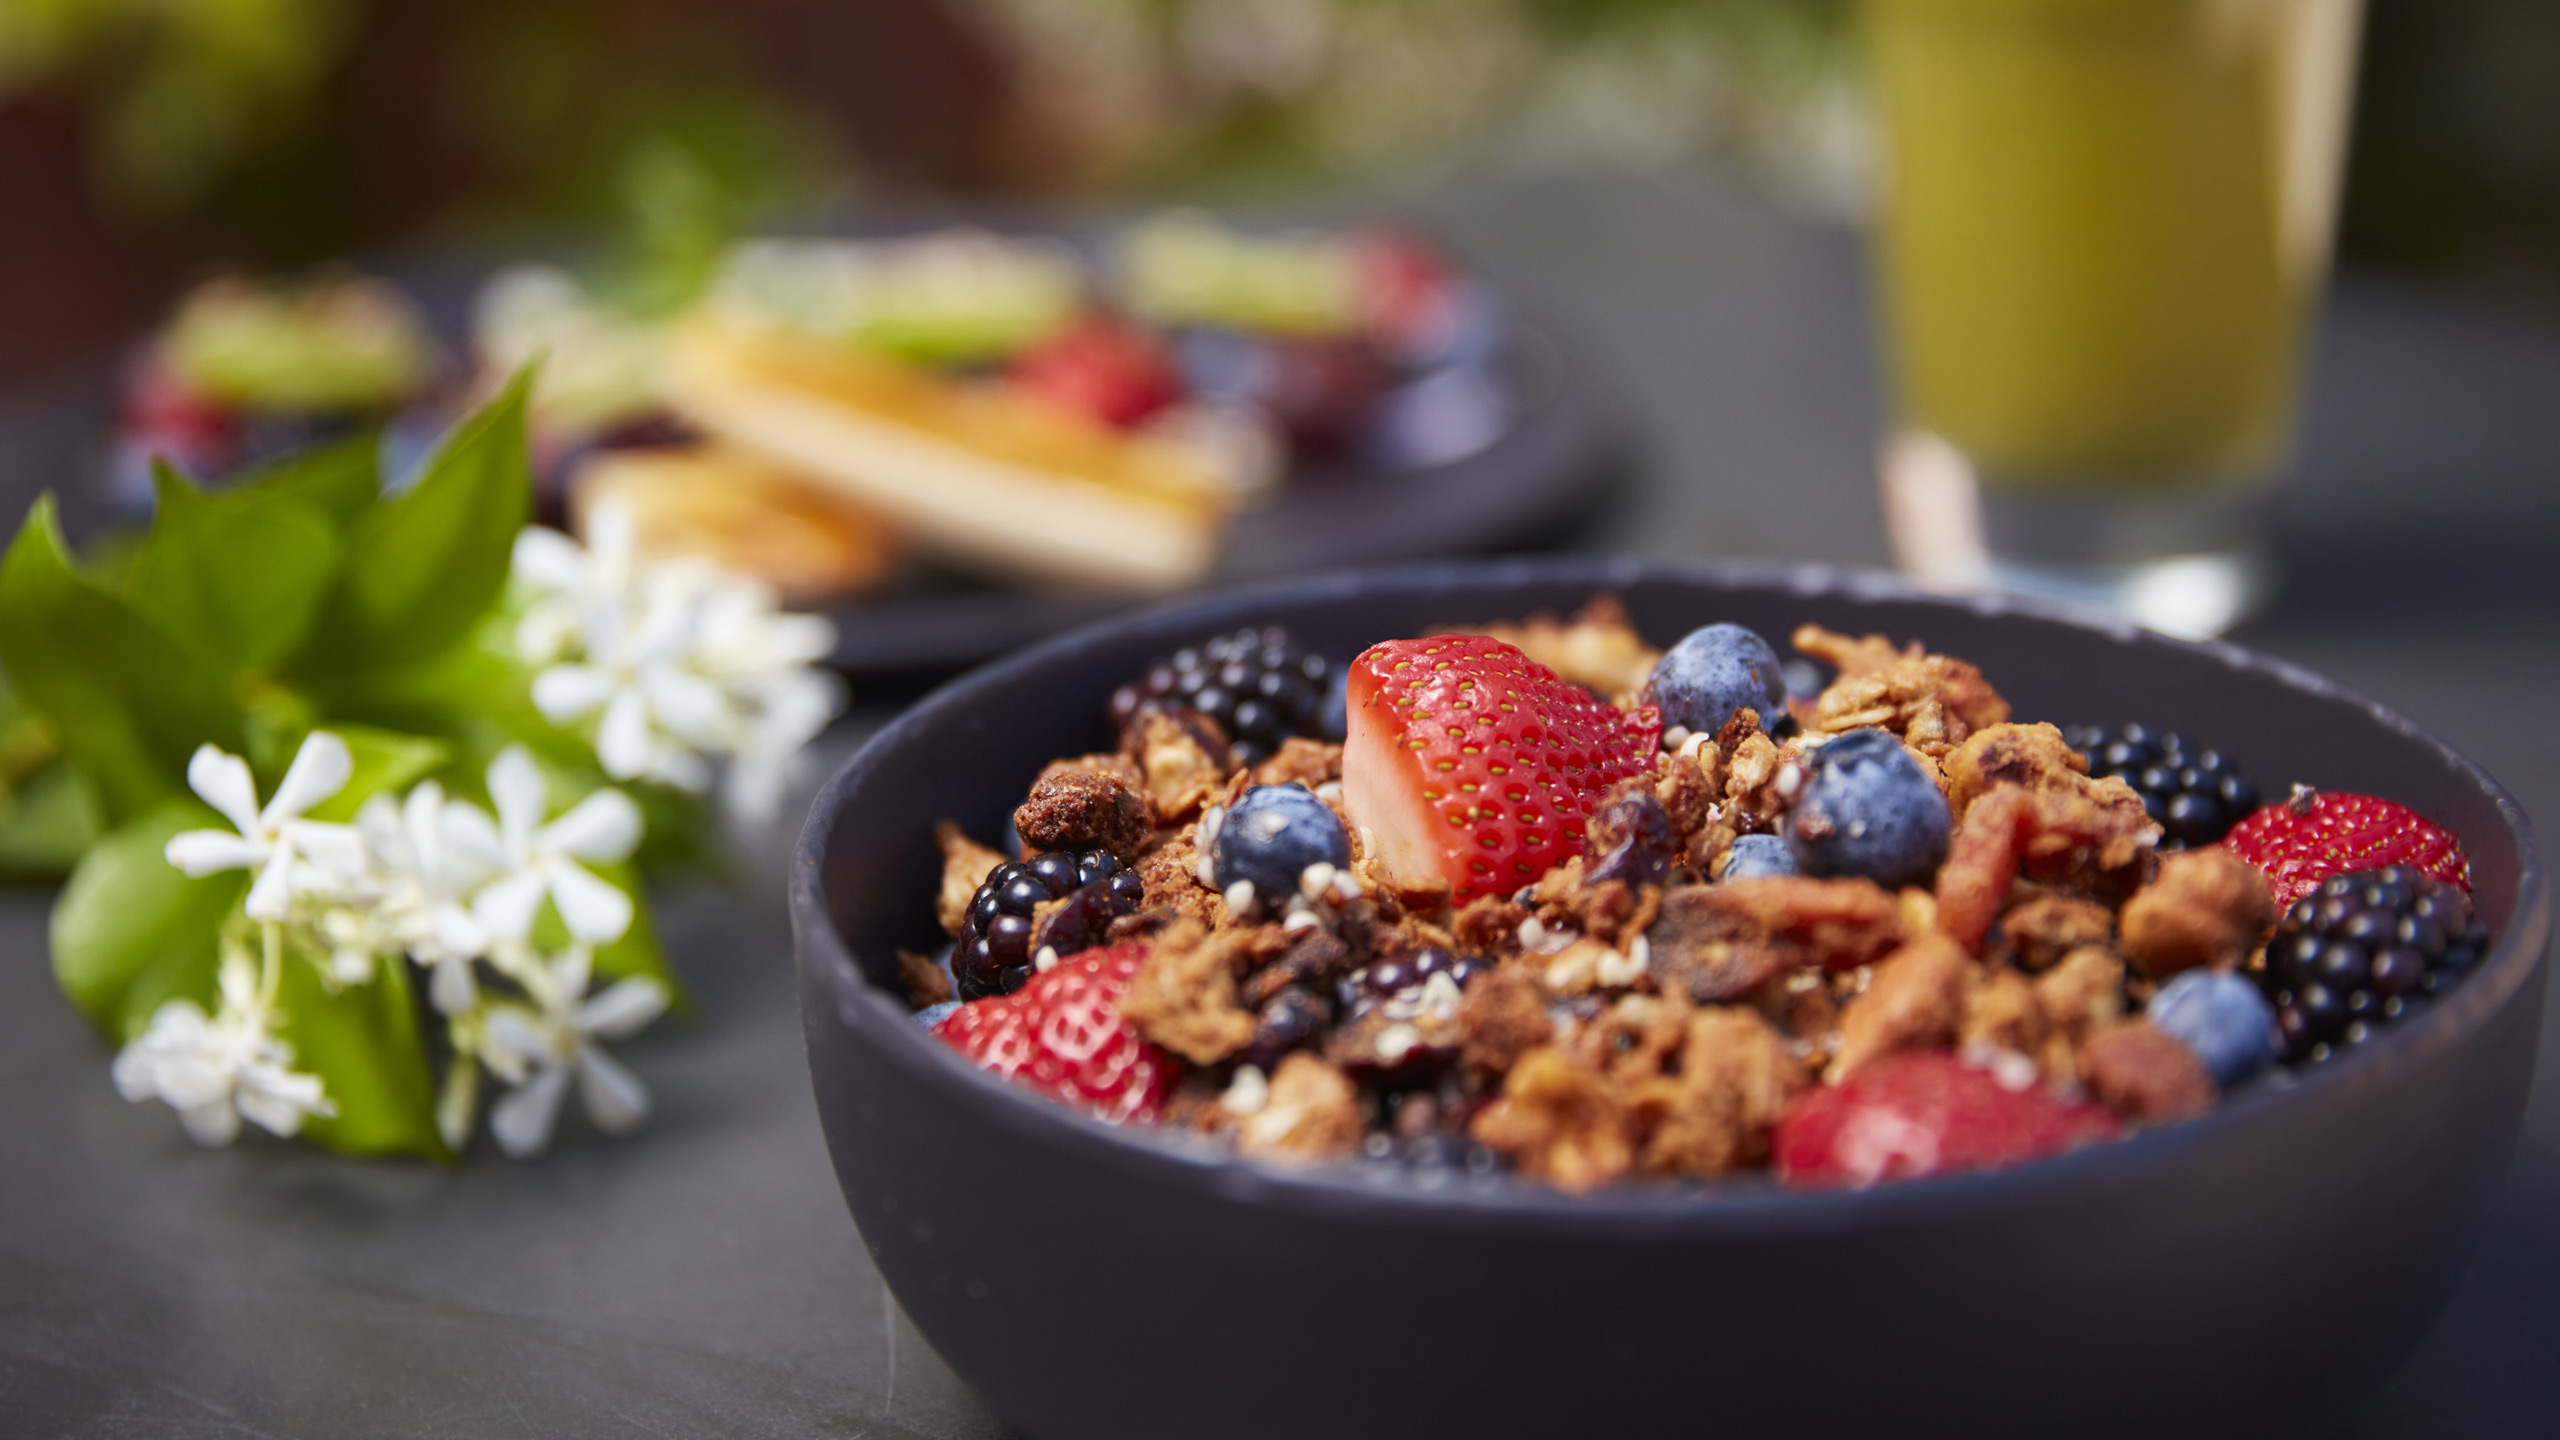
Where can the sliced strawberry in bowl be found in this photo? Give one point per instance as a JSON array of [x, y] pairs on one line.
[[1924, 1113], [1470, 763], [1062, 1035], [2299, 842]]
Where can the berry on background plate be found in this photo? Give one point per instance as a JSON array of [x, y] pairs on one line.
[[1062, 1035], [1923, 1113], [1469, 762], [2363, 950], [2195, 796], [2299, 842]]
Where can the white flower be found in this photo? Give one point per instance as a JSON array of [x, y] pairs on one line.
[[563, 579], [424, 879], [536, 1050], [218, 1070], [539, 859], [289, 853]]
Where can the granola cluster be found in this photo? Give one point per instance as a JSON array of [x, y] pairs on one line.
[[1633, 1012]]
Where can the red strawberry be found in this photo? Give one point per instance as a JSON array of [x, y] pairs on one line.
[[1062, 1035], [1103, 369], [1923, 1113], [1469, 762], [1406, 293], [2319, 833]]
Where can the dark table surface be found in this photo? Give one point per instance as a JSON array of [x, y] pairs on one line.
[[704, 1278]]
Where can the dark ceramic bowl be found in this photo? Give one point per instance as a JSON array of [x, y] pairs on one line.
[[2258, 1271]]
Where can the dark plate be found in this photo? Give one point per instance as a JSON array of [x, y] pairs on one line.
[[1523, 491], [2255, 1272]]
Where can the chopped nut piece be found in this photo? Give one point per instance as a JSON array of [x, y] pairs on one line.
[[2042, 928], [2206, 907], [965, 864], [1310, 1111], [1184, 997], [1560, 1122], [2083, 992], [1181, 760], [1751, 781], [1723, 941], [1915, 1001], [1078, 808], [2143, 1074], [1502, 1017], [2023, 757], [1736, 1077], [925, 983], [2000, 1010]]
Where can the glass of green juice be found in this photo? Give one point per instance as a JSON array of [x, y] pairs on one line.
[[2104, 233]]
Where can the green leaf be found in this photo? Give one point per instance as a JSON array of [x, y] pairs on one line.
[[131, 930], [385, 760], [128, 706], [46, 821], [340, 480], [420, 571], [236, 579], [364, 1043]]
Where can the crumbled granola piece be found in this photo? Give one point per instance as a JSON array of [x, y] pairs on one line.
[[1560, 1122], [1171, 874], [1916, 1001], [1608, 912], [965, 864], [1722, 941], [1982, 858], [1585, 965], [1736, 1077], [1182, 760], [1311, 1111], [2096, 841], [1598, 649], [1754, 793], [1087, 808], [925, 982], [2143, 1074], [2039, 929], [1184, 997], [2000, 1011], [1489, 925], [2083, 992], [1428, 897], [2025, 757], [1633, 1039], [1932, 702], [1313, 958], [2205, 907], [1301, 761], [1502, 1017]]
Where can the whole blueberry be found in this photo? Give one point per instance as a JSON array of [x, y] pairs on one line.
[[1273, 833], [933, 1015], [2222, 1017], [1714, 672], [1756, 856], [1333, 717], [1869, 810]]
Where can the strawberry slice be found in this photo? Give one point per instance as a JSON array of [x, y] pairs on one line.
[[1469, 762], [1102, 369], [2302, 841], [1062, 1035], [1923, 1113]]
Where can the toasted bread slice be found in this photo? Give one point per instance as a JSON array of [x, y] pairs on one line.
[[741, 511], [970, 470]]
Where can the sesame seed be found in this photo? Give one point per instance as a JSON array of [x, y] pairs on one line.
[[1046, 960], [1316, 879], [1397, 1041], [1239, 897], [1532, 934]]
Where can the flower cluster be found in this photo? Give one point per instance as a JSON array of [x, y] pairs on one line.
[[678, 666], [437, 881]]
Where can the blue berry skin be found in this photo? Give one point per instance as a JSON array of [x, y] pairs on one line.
[[1700, 682], [1869, 810], [2223, 1018], [1333, 718], [1273, 833], [933, 1015], [1755, 857]]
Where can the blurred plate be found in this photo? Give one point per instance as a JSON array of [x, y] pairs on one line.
[[1526, 489]]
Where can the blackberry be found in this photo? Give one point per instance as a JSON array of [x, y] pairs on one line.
[[1400, 978], [997, 945], [2193, 795], [1261, 686], [1288, 1021], [2362, 951]]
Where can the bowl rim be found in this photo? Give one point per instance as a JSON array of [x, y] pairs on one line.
[[1739, 1206]]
